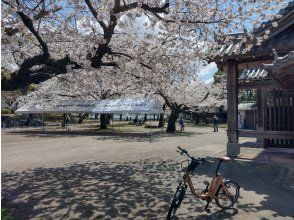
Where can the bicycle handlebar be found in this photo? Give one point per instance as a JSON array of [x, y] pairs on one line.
[[201, 160]]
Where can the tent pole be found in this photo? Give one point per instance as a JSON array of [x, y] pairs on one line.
[[112, 124], [66, 128], [150, 129], [43, 122], [63, 128], [91, 124], [161, 129]]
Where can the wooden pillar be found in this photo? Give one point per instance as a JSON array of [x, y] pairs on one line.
[[233, 148], [259, 103], [260, 96]]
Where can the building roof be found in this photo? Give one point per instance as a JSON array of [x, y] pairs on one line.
[[280, 62], [237, 46], [247, 106], [282, 69], [253, 74]]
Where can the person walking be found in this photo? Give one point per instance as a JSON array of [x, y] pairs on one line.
[[182, 125], [215, 122]]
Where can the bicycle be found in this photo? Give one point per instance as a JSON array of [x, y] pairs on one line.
[[224, 192]]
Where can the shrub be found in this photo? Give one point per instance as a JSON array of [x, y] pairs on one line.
[[32, 87], [6, 75], [5, 215], [6, 111]]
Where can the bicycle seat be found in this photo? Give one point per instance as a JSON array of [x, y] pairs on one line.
[[224, 159]]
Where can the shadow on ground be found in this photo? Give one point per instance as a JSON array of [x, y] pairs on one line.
[[96, 190], [251, 144], [117, 135]]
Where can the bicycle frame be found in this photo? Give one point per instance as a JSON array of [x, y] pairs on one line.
[[210, 193], [216, 182]]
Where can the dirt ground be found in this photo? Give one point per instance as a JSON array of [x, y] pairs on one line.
[[124, 175], [27, 149]]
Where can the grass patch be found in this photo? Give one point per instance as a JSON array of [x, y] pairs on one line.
[[5, 214]]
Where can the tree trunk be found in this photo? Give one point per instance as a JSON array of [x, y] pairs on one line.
[[103, 121], [63, 120], [81, 118], [161, 121], [196, 119], [171, 125], [108, 118]]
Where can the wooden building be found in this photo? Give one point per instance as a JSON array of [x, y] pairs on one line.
[[247, 115], [271, 65]]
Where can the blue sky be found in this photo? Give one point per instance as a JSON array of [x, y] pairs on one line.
[[206, 74]]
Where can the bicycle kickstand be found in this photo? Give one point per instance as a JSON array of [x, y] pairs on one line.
[[206, 207]]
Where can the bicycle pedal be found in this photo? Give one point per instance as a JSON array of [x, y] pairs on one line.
[[208, 211]]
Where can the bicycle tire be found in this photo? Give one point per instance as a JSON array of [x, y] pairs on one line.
[[176, 202], [233, 198]]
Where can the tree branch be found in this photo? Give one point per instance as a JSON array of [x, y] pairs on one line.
[[146, 7], [205, 97], [29, 24], [95, 14], [187, 21], [166, 100], [126, 55]]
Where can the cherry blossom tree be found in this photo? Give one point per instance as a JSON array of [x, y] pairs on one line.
[[43, 37], [176, 81], [154, 44]]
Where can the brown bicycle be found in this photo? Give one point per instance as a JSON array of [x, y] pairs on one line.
[[224, 192]]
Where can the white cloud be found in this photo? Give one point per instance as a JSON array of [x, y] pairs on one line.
[[207, 72], [208, 81]]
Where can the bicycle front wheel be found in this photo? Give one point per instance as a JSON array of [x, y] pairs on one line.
[[225, 200], [176, 202]]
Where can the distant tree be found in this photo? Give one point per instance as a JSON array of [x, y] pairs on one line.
[[219, 77], [247, 95]]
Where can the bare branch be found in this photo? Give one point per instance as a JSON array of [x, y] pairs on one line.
[[95, 14], [126, 55], [146, 7], [29, 24], [187, 21]]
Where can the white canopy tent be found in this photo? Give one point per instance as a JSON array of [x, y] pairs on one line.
[[68, 106], [127, 105], [34, 109], [77, 106], [130, 106], [62, 107], [117, 106]]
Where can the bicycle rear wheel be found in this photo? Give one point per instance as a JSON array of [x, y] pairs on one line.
[[176, 202], [223, 199]]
